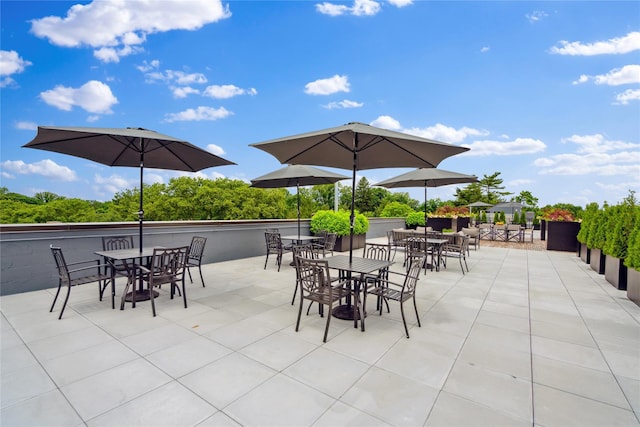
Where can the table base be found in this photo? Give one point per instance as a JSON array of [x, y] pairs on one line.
[[140, 296], [344, 312]]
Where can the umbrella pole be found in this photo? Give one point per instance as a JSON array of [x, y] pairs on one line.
[[298, 195], [141, 211], [425, 210], [353, 196]]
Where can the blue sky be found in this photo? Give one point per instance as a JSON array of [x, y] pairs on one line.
[[547, 93]]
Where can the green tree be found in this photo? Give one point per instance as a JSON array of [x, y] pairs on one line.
[[469, 194], [396, 209], [492, 185], [526, 198]]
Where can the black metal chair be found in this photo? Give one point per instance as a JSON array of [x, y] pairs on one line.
[[458, 248], [167, 266], [316, 285], [378, 251], [82, 272], [194, 258], [306, 250], [275, 246], [327, 244], [401, 290], [111, 243]]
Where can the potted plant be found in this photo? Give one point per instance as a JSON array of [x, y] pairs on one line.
[[596, 240], [584, 251], [414, 219], [339, 223], [632, 261], [619, 226], [562, 230]]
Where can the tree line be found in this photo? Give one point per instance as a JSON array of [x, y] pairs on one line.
[[187, 198]]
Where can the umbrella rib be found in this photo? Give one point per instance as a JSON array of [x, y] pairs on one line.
[[380, 139], [129, 145], [329, 137]]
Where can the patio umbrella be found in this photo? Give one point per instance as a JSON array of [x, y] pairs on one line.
[[297, 175], [431, 177], [358, 146], [134, 147]]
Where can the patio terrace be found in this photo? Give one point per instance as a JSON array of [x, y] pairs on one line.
[[526, 338]]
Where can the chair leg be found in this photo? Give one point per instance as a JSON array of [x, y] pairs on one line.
[[201, 277], [326, 328], [184, 294], [153, 303], [404, 321], [299, 313], [65, 302], [295, 291], [189, 271], [266, 260], [415, 307], [56, 297]]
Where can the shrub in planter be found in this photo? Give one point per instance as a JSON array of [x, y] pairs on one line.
[[339, 223], [414, 219], [596, 240], [632, 261], [583, 234], [619, 225]]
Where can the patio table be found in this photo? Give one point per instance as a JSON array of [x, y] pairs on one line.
[[360, 266], [125, 256]]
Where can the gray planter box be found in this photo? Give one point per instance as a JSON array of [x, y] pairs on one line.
[[615, 272], [585, 253], [597, 261], [342, 242], [633, 285]]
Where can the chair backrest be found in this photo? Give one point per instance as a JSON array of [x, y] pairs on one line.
[[272, 239], [168, 265], [305, 250], [379, 251], [110, 243], [330, 241], [413, 273], [415, 245], [312, 275], [196, 249], [61, 264]]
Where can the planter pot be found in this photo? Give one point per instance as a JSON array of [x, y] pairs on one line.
[[410, 227], [543, 230], [585, 253], [462, 222], [633, 285], [562, 236], [437, 224], [615, 272], [342, 242], [536, 226], [597, 261]]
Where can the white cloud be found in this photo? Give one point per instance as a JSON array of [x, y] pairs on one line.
[[619, 45], [598, 144], [386, 122], [215, 149], [184, 91], [47, 168], [627, 96], [520, 182], [343, 104], [93, 96], [227, 91], [509, 148], [536, 16], [359, 8], [629, 74], [10, 63], [401, 3], [148, 66], [622, 163], [121, 26], [198, 114], [328, 86], [24, 125], [485, 49], [113, 184], [443, 133]]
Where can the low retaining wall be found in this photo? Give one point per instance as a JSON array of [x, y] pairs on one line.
[[27, 263]]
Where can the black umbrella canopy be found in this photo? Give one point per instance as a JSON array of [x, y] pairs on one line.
[[134, 147], [358, 146], [296, 176], [430, 177]]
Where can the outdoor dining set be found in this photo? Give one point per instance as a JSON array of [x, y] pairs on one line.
[[155, 266], [328, 279]]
